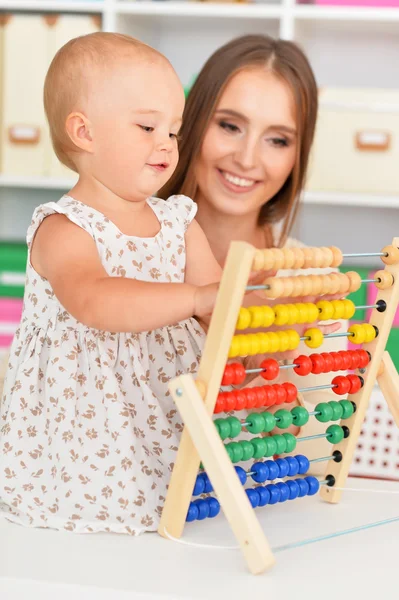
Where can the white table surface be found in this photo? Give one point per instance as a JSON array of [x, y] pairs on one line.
[[42, 564]]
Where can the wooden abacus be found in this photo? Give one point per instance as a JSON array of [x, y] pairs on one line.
[[197, 401]]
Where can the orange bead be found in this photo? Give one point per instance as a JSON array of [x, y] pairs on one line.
[[318, 258], [317, 284], [297, 287], [289, 258], [307, 285], [385, 280], [258, 262], [328, 256], [299, 258], [337, 256], [344, 285], [393, 255], [335, 282], [276, 287], [326, 284], [309, 257], [288, 286], [279, 258], [355, 281], [268, 259]]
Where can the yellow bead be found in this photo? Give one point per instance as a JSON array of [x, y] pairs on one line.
[[293, 314], [245, 345], [358, 334], [370, 332], [281, 312], [254, 344], [339, 310], [244, 319], [315, 337], [274, 342], [349, 308], [302, 312], [268, 316], [313, 312], [294, 339], [234, 347], [326, 310], [284, 340], [264, 344], [256, 313]]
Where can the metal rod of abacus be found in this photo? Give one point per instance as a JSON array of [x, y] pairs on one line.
[[321, 459], [251, 288], [331, 335], [317, 387], [364, 254]]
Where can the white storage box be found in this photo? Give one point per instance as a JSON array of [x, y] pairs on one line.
[[356, 146]]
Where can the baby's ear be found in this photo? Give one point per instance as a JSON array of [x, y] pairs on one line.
[[78, 128]]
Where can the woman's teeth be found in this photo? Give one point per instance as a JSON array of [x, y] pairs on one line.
[[238, 180]]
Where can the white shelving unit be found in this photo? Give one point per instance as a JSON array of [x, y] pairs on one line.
[[347, 46]]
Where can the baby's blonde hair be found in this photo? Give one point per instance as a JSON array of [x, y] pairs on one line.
[[66, 80]]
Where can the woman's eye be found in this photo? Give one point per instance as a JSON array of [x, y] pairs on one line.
[[174, 136], [228, 126], [281, 142], [146, 128]]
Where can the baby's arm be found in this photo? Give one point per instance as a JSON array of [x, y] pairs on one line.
[[202, 267], [67, 257]]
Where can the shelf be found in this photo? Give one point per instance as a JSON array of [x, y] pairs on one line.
[[346, 199], [346, 13], [96, 6], [200, 9], [40, 183]]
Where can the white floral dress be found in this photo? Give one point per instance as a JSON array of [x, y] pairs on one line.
[[89, 431]]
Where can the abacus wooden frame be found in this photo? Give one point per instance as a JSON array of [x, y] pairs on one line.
[[196, 403]]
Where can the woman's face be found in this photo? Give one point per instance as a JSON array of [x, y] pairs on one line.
[[249, 148]]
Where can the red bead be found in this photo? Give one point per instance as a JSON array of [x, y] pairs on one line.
[[271, 395], [337, 360], [261, 396], [239, 373], [364, 358], [251, 397], [342, 385], [355, 383], [328, 362], [355, 359], [270, 369], [317, 363], [228, 375], [281, 393], [220, 402], [240, 400], [346, 360], [304, 365], [291, 391], [230, 401]]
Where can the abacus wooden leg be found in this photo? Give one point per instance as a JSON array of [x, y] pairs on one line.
[[383, 321], [227, 486], [388, 381]]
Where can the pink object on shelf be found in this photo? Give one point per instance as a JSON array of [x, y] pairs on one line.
[[371, 297], [5, 341], [10, 310], [374, 3]]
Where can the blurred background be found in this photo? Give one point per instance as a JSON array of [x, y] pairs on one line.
[[352, 195]]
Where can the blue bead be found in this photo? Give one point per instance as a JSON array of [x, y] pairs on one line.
[[273, 469], [193, 513], [284, 491], [203, 508], [274, 493], [294, 489], [314, 485], [241, 475], [303, 463], [208, 485], [303, 487], [283, 467], [264, 495], [199, 487], [254, 497], [214, 507], [260, 472], [292, 465]]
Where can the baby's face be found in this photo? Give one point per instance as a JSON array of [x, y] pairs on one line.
[[136, 115]]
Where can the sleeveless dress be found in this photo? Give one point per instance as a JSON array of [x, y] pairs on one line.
[[89, 431]]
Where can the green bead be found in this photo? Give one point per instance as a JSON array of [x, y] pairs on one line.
[[335, 434], [270, 422], [271, 446], [259, 445], [247, 449], [235, 426], [223, 428], [300, 416], [256, 423], [237, 451], [280, 444], [230, 451], [347, 407], [283, 418], [290, 442], [326, 412], [337, 410]]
